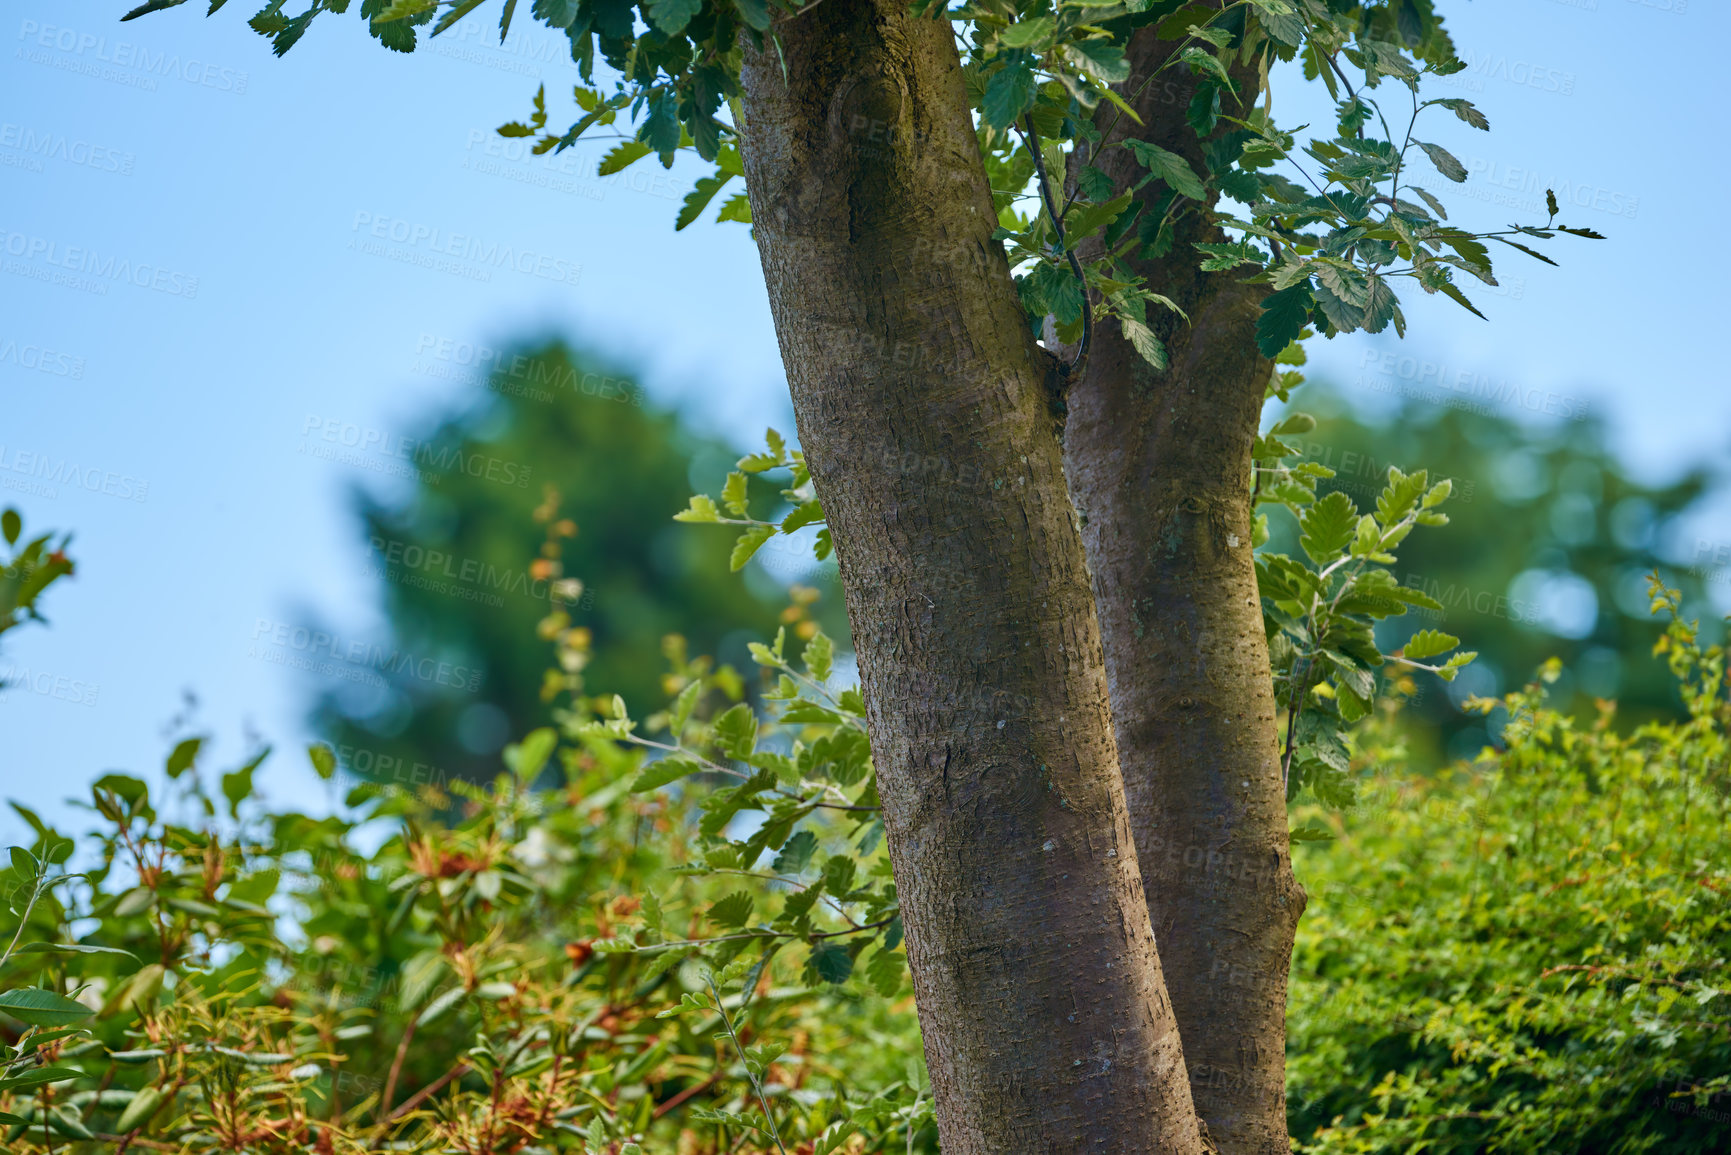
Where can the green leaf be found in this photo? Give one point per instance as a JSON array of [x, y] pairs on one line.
[[886, 971], [830, 962], [755, 13], [701, 509], [1008, 94], [1086, 220], [11, 525], [732, 911], [671, 16], [699, 197], [622, 156], [182, 757], [42, 1008], [1428, 644], [748, 544], [1142, 339], [1284, 315], [662, 771], [736, 208], [1328, 527], [1204, 62], [1028, 33], [796, 855], [324, 760], [36, 1076], [144, 1104], [527, 759], [1310, 833], [736, 731], [1169, 167], [73, 948], [1467, 112], [1100, 58], [807, 513], [734, 495], [1444, 160], [237, 783], [819, 656]]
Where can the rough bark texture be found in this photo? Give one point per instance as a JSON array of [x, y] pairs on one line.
[[1159, 466], [921, 405]]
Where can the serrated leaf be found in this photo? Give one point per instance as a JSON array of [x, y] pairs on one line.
[[748, 544], [733, 911], [1444, 160], [819, 656], [1428, 644], [1142, 339], [701, 509], [830, 962], [699, 197], [1169, 167], [1328, 526], [1008, 94], [1284, 316], [663, 771], [1467, 112], [622, 156], [736, 731], [734, 493], [1100, 58], [1028, 33], [796, 855]]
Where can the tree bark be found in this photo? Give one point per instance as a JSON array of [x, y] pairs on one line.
[[922, 410], [1159, 466]]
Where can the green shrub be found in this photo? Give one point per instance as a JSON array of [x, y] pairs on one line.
[[1530, 955]]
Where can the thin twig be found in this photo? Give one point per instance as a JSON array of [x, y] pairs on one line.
[[755, 1085], [1032, 137]]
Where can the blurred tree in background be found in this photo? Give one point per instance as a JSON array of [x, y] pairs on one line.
[[462, 567], [1546, 555]]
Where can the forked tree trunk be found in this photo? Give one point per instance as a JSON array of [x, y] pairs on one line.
[[1159, 466], [921, 408]]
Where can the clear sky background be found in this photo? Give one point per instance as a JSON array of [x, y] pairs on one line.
[[182, 146]]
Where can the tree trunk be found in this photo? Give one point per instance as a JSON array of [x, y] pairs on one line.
[[1159, 465], [920, 397]]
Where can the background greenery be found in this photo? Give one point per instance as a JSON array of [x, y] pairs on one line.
[[1521, 952]]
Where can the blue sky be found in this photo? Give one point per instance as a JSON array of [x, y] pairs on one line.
[[277, 220]]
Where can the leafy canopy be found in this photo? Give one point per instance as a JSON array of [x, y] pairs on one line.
[[1332, 224]]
